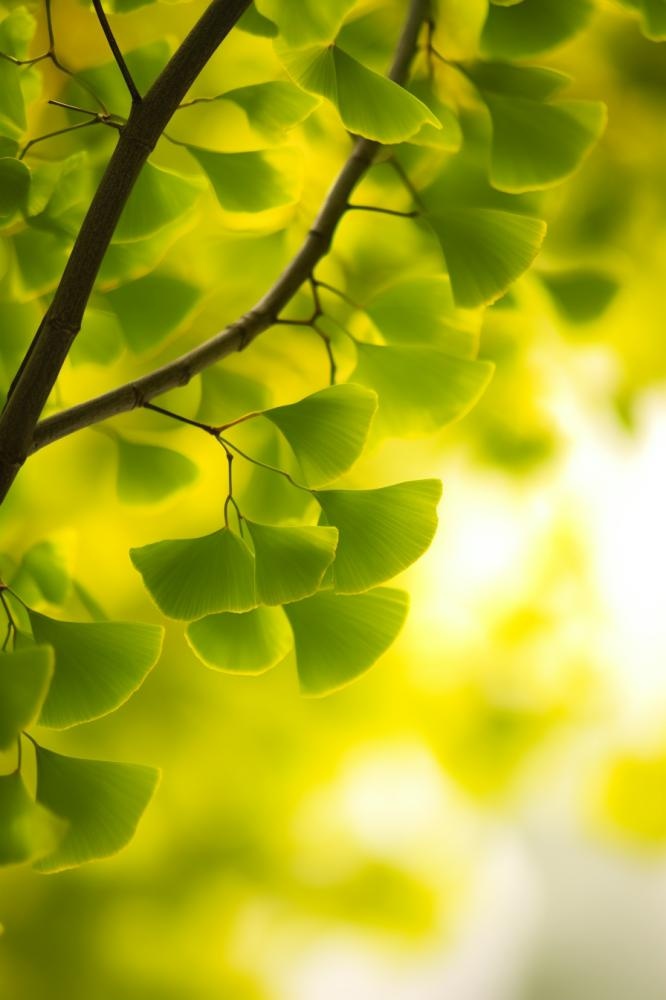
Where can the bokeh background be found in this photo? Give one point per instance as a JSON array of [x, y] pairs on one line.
[[483, 815]]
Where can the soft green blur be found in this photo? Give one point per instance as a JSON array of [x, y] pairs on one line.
[[484, 814]]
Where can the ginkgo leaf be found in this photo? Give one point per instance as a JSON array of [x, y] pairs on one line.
[[535, 145], [418, 310], [158, 199], [256, 24], [17, 812], [307, 22], [226, 394], [98, 666], [486, 250], [101, 801], [47, 564], [537, 83], [326, 430], [447, 134], [24, 680], [420, 388], [381, 532], [255, 181], [152, 307], [290, 562], [369, 104], [653, 18], [337, 638], [249, 643], [148, 473], [273, 107], [101, 338], [581, 294], [533, 26], [12, 106], [192, 577], [14, 187]]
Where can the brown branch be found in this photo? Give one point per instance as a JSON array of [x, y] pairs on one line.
[[265, 313], [148, 119]]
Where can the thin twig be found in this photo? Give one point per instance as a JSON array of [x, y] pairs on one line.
[[61, 131], [117, 54]]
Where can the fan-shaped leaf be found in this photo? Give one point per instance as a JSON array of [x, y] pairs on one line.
[[306, 22], [192, 577], [151, 307], [381, 532], [254, 181], [486, 250], [533, 26], [98, 666], [148, 473], [337, 638], [654, 18], [581, 294], [327, 430], [101, 801], [24, 681], [14, 187], [255, 23], [158, 199], [12, 107], [420, 388], [290, 562], [47, 564], [249, 643], [17, 811], [369, 104], [274, 107]]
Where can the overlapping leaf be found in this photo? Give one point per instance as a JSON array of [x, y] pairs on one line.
[[159, 198], [148, 473], [307, 22], [152, 307], [381, 531], [24, 681], [532, 26], [253, 181], [249, 643], [290, 561]]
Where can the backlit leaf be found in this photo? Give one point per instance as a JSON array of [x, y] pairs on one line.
[[306, 22], [47, 564], [192, 577], [159, 198], [98, 666], [381, 532], [326, 430], [148, 473], [152, 307], [24, 680], [274, 107], [249, 643], [101, 801], [14, 186], [290, 562], [532, 27], [254, 181], [17, 812], [337, 638]]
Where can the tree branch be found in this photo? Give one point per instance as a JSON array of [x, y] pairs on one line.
[[148, 119], [243, 331]]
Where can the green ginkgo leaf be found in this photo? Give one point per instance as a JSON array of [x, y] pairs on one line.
[[47, 564], [581, 294], [537, 83], [273, 107], [158, 199], [17, 814], [24, 680], [12, 106], [381, 532], [418, 310], [14, 187], [98, 666], [101, 801], [486, 250], [148, 473], [152, 307], [192, 577], [255, 23], [337, 638], [369, 104], [306, 22], [653, 18], [249, 643], [326, 430], [535, 145], [532, 27], [420, 388], [290, 562], [255, 181]]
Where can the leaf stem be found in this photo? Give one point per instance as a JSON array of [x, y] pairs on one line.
[[117, 54]]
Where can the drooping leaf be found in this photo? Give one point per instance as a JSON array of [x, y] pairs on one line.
[[274, 107], [102, 802], [290, 562], [98, 666], [24, 680], [158, 199], [418, 310], [152, 307], [309, 21], [421, 388], [148, 473], [381, 531], [486, 249], [326, 430], [47, 564], [532, 27], [255, 181], [337, 638], [249, 643], [369, 104], [192, 577], [16, 821], [535, 145]]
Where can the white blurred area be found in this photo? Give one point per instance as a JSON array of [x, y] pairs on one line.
[[549, 910]]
